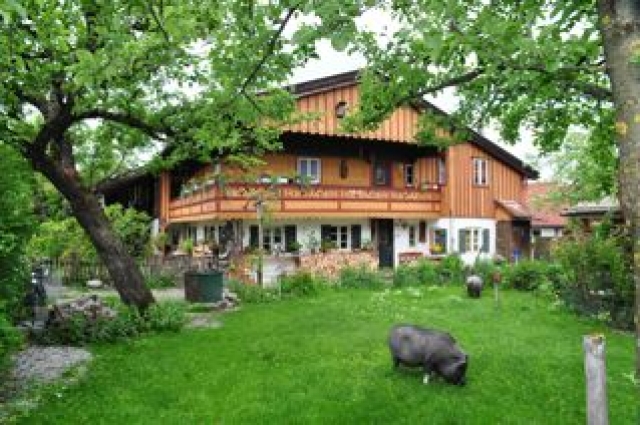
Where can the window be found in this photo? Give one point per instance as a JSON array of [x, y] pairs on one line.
[[412, 235], [408, 175], [309, 169], [273, 238], [210, 234], [339, 235], [480, 172], [381, 174], [474, 240], [442, 171], [439, 241], [341, 109]]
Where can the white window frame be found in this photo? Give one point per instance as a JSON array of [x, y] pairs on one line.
[[273, 239], [473, 239], [341, 236], [308, 161], [480, 171], [412, 233]]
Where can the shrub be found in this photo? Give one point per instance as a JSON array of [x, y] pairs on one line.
[[599, 281], [166, 316], [526, 275], [128, 323], [422, 272], [406, 275], [451, 269], [360, 277], [10, 340], [252, 294], [160, 280], [300, 284]]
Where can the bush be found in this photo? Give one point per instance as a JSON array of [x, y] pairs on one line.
[[300, 284], [526, 275], [253, 294], [451, 269], [360, 277], [128, 323], [600, 282], [160, 280], [422, 272], [10, 340]]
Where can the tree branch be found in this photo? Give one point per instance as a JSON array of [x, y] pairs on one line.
[[127, 120], [269, 51]]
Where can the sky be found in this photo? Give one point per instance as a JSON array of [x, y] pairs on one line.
[[332, 62]]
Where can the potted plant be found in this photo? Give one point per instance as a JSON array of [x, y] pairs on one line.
[[436, 249], [294, 247], [327, 245]]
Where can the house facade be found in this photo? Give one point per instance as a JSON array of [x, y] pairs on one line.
[[378, 190]]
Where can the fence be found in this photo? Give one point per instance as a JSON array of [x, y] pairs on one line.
[[76, 272]]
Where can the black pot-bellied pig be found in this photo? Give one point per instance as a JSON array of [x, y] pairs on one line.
[[436, 351], [474, 286]]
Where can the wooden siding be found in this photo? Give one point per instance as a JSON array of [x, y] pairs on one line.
[[463, 199], [399, 127]]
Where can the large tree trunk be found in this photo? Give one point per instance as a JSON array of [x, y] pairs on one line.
[[86, 208], [620, 24]]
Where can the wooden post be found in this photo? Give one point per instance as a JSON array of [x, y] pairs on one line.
[[595, 371], [496, 278], [259, 270]]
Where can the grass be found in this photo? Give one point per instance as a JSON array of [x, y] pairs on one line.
[[324, 360]]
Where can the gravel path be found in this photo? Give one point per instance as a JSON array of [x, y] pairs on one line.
[[45, 364]]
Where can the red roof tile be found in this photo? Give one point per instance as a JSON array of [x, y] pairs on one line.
[[545, 214]]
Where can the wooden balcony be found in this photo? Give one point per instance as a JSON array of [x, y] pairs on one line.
[[237, 201]]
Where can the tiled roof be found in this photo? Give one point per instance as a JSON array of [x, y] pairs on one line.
[[514, 208], [544, 214]]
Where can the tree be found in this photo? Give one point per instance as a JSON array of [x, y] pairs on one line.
[[16, 224], [583, 168], [538, 64], [81, 78]]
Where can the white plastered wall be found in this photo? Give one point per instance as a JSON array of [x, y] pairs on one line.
[[454, 225]]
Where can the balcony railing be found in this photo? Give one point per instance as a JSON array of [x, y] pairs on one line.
[[291, 200]]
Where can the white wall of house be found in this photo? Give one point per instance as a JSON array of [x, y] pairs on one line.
[[453, 227], [550, 232], [402, 240]]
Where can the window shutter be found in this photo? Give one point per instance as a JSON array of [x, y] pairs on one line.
[[253, 236], [422, 232], [485, 240], [289, 237], [462, 241], [325, 232], [356, 239]]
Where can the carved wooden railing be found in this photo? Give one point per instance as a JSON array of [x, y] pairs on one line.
[[290, 200]]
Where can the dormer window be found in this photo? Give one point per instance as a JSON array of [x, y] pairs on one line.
[[341, 109]]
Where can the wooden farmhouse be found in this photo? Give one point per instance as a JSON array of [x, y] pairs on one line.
[[377, 191]]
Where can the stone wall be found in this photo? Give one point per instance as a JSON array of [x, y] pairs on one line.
[[329, 264]]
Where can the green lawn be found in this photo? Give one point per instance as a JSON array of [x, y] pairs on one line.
[[324, 360]]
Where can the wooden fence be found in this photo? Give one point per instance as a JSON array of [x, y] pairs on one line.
[[75, 272]]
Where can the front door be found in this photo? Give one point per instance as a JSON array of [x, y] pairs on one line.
[[385, 242]]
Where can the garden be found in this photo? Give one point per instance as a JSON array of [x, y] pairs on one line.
[[312, 351]]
